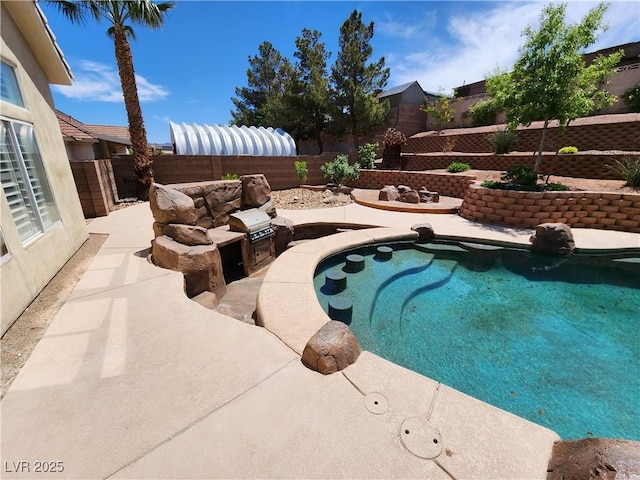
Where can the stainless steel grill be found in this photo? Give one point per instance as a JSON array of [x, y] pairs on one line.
[[255, 223]]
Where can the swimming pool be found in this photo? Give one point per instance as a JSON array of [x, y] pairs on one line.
[[553, 340]]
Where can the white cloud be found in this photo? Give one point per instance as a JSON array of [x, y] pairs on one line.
[[401, 28], [99, 82], [484, 41]]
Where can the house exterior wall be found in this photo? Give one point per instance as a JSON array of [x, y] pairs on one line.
[[29, 267], [80, 151], [414, 95]]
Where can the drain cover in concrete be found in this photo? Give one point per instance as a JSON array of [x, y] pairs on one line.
[[421, 438], [376, 403]]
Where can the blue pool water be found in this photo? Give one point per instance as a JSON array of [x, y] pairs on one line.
[[556, 341]]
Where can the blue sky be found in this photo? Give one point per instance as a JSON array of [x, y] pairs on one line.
[[188, 70]]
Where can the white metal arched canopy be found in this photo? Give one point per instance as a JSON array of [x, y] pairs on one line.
[[231, 140]]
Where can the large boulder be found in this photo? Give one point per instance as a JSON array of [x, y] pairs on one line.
[[388, 194], [213, 200], [171, 206], [255, 191], [425, 231], [332, 348], [595, 459], [200, 264], [187, 234], [552, 238], [410, 196]]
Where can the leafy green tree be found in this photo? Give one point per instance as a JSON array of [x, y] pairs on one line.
[[440, 109], [302, 107], [265, 80], [355, 83], [550, 80], [120, 14]]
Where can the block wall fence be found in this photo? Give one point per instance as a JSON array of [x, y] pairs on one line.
[[444, 183], [96, 186], [608, 132], [611, 211], [280, 171]]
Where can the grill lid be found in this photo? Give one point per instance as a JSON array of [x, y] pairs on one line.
[[248, 221]]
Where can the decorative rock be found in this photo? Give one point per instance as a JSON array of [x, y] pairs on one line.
[[384, 253], [389, 194], [171, 206], [158, 229], [220, 213], [403, 189], [594, 459], [222, 191], [425, 231], [255, 191], [187, 234], [332, 348], [335, 282], [354, 263], [341, 309], [284, 233], [410, 196], [552, 238], [200, 264]]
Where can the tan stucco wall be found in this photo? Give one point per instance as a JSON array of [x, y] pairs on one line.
[[80, 151], [29, 267]]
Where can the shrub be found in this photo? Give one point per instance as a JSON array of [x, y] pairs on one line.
[[492, 184], [632, 98], [521, 176], [230, 176], [339, 171], [503, 140], [628, 168], [568, 150], [555, 187], [455, 167], [301, 170], [483, 113], [367, 155]]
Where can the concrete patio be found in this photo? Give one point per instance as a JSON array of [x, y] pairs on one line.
[[134, 380]]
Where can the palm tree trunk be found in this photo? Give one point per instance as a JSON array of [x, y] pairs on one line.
[[142, 161], [536, 167]]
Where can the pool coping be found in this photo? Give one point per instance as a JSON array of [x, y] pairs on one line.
[[288, 307]]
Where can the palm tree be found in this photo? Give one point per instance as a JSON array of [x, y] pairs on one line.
[[118, 13]]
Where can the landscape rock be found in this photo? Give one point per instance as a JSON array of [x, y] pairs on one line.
[[426, 196], [409, 196], [200, 264], [552, 238], [332, 348], [255, 191], [595, 459], [425, 231], [171, 206], [187, 234], [389, 194], [222, 191]]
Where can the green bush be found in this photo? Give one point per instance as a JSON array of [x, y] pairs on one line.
[[492, 184], [632, 98], [628, 169], [555, 187], [230, 176], [455, 167], [339, 171], [503, 140], [301, 170], [521, 176], [568, 150], [483, 113], [367, 155]]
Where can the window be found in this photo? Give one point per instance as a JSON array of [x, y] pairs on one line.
[[3, 246], [9, 91], [24, 180]]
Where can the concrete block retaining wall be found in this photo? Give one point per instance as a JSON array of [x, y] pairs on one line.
[[592, 165], [611, 211], [606, 132], [447, 184]]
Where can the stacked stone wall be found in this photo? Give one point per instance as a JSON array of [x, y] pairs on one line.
[[446, 184], [611, 211], [609, 132], [577, 165]]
